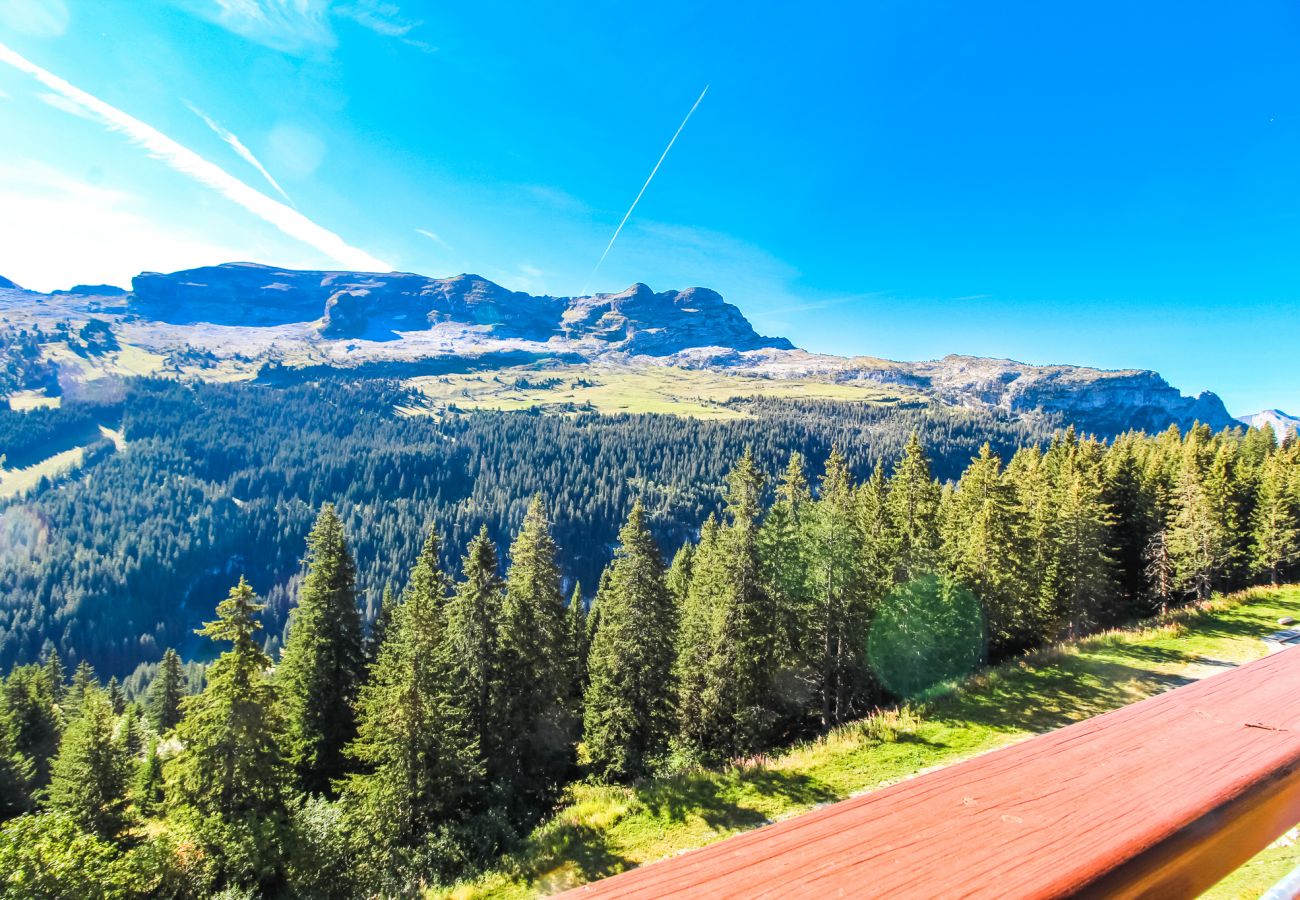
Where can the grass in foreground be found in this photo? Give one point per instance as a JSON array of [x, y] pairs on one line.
[[603, 830]]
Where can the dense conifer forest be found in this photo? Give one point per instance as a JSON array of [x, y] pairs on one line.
[[384, 746], [120, 560]]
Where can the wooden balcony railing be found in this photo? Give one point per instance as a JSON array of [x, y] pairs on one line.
[[1159, 799]]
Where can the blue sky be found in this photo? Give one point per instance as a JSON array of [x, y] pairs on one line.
[[1111, 184]]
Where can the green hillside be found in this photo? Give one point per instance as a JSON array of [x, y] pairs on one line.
[[604, 829]]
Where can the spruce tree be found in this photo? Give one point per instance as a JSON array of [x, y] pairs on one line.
[[469, 647], [739, 706], [54, 675], [839, 614], [323, 660], [35, 722], [1275, 522], [980, 526], [116, 696], [628, 713], [147, 783], [16, 770], [163, 704], [678, 579], [695, 636], [231, 766], [575, 625], [1199, 545], [535, 706], [420, 763], [83, 679], [89, 777], [913, 506]]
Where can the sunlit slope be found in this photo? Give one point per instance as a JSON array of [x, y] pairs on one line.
[[604, 830]]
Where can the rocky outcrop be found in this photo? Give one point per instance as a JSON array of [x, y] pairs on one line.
[[639, 321], [380, 306]]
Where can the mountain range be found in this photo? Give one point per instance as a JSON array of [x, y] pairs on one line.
[[230, 320]]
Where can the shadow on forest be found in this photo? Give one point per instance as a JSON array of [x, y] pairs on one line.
[[719, 802]]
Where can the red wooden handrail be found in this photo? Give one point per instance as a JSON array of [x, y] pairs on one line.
[[1162, 798]]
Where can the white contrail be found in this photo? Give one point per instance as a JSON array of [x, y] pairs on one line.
[[628, 214], [238, 146], [186, 161]]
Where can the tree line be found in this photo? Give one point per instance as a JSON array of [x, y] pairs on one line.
[[112, 563], [360, 762]]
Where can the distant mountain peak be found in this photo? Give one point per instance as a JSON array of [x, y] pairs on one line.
[[1281, 423], [6, 284]]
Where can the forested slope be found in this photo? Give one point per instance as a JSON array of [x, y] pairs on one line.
[[220, 480]]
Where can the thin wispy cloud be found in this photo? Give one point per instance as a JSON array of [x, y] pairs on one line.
[[433, 236], [187, 162], [653, 172], [306, 26], [238, 146]]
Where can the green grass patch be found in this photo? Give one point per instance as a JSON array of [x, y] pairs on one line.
[[602, 830], [648, 389]]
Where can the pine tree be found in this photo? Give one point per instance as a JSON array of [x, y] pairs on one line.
[[420, 765], [323, 660], [83, 679], [535, 706], [35, 723], [678, 579], [738, 705], [785, 546], [130, 731], [1083, 581], [231, 766], [116, 696], [695, 635], [16, 770], [913, 506], [1198, 543], [1275, 523], [379, 627], [575, 625], [55, 675], [147, 784], [628, 705], [469, 647], [980, 525], [89, 777], [163, 704]]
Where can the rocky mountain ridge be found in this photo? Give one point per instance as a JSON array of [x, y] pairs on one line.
[[253, 315]]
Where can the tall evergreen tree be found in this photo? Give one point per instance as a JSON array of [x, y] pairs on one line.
[[1275, 523], [89, 777], [322, 665], [1199, 544], [16, 770], [35, 723], [420, 764], [535, 709], [980, 526], [839, 614], [231, 765], [678, 579], [83, 679], [575, 624], [163, 704], [913, 506], [739, 705], [628, 705], [469, 646]]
